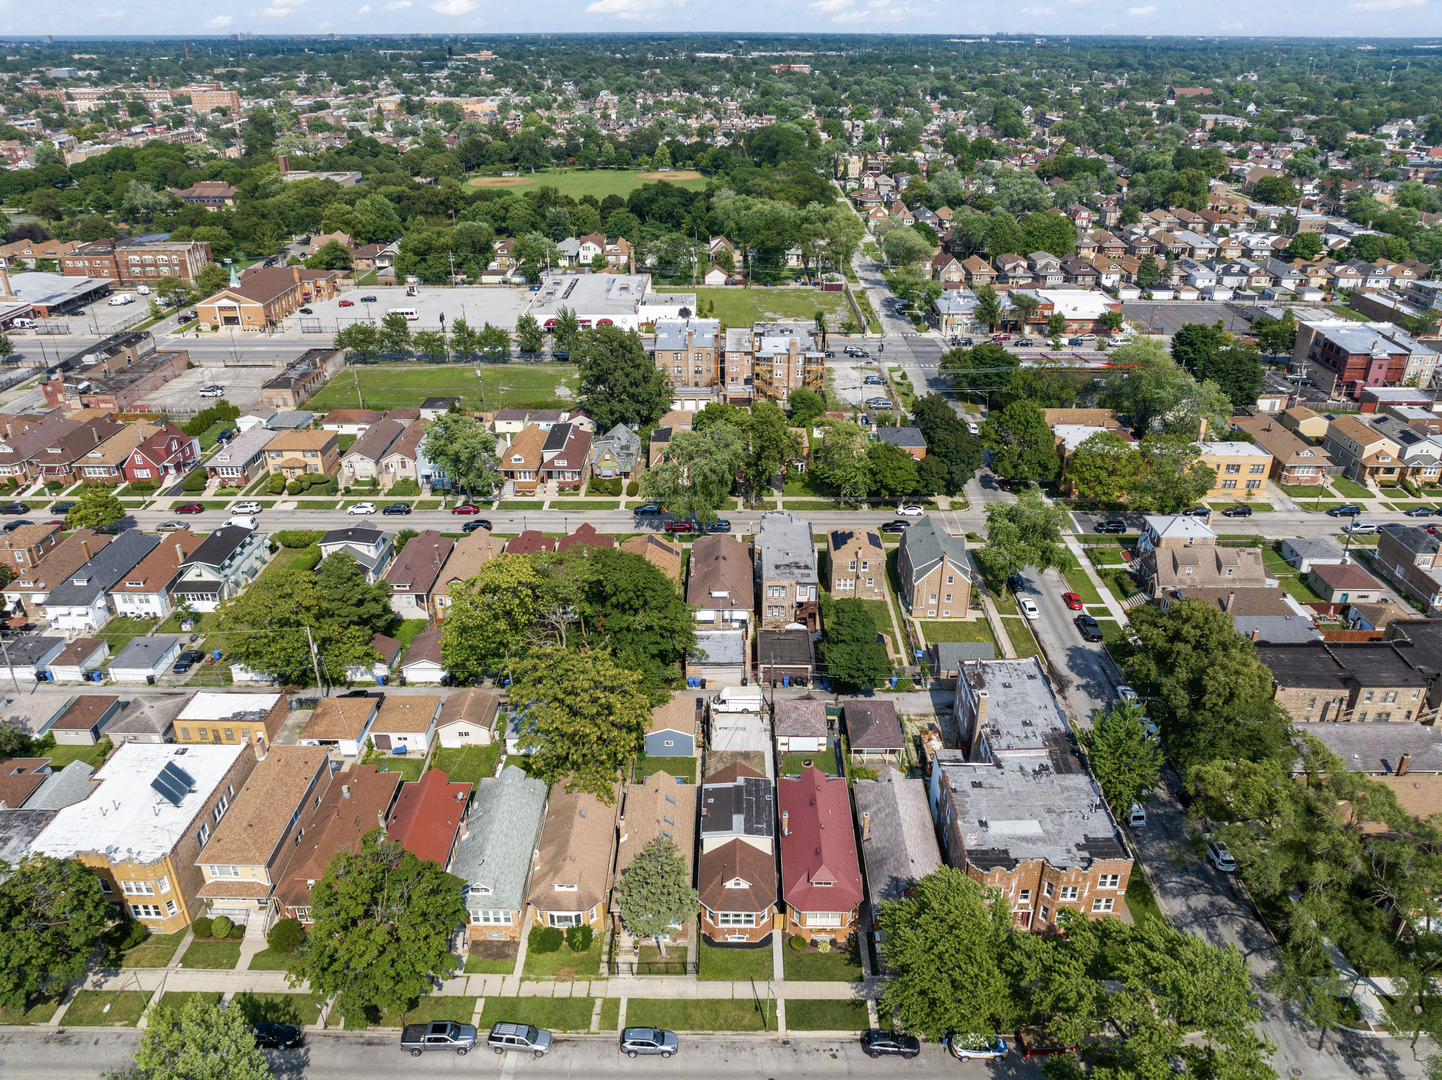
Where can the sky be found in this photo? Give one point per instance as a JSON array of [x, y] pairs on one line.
[[1418, 19]]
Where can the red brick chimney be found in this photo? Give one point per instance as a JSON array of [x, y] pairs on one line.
[[1403, 764]]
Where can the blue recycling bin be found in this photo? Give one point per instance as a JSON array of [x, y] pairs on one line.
[[893, 682], [786, 680]]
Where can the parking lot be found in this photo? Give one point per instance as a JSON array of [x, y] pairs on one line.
[[242, 387], [99, 318], [846, 378], [1167, 318], [498, 304]]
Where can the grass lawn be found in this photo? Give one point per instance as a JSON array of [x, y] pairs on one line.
[[270, 960], [1318, 508], [38, 1013], [467, 764], [62, 756], [286, 559], [345, 440], [807, 1015], [586, 504], [89, 1008], [433, 1007], [564, 964], [881, 612], [1021, 638], [812, 504], [723, 965], [177, 999], [1350, 489], [836, 966], [682, 768], [479, 965], [702, 1015], [578, 183], [1306, 491], [119, 631], [977, 629], [1078, 582], [393, 386], [1298, 589], [520, 504], [825, 760], [742, 307], [156, 951], [407, 632], [212, 955], [1139, 899], [410, 768], [555, 1014], [611, 1014], [278, 1008]]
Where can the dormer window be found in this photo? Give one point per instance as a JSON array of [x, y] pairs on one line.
[[565, 888], [738, 883]]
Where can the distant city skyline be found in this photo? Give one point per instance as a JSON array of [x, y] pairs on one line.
[[1329, 18]]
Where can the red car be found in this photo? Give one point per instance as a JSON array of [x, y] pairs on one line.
[[466, 508], [347, 303], [679, 526], [190, 508], [1073, 601]]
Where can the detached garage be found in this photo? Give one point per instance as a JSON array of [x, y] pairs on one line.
[[84, 719]]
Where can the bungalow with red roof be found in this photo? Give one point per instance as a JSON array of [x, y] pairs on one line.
[[428, 816], [820, 870], [169, 452]]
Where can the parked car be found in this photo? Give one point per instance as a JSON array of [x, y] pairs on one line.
[[249, 508], [639, 1040], [213, 390], [1016, 583], [1072, 600], [720, 525], [346, 303], [62, 508], [679, 527], [1360, 528], [1029, 608], [1137, 817], [11, 526], [1126, 693], [977, 1047], [876, 1044], [183, 508], [649, 510], [851, 350], [1025, 343], [466, 508], [186, 660], [361, 508], [1345, 510], [1075, 341], [306, 311], [895, 526], [1197, 512], [910, 510], [1113, 525], [170, 526], [438, 1035], [1420, 511], [243, 520], [479, 523], [397, 510], [1237, 511], [121, 300], [367, 299], [1090, 629], [519, 1037], [278, 1036], [874, 380], [1219, 856]]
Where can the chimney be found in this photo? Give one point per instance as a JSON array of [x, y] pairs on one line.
[[866, 825], [345, 791], [180, 552], [85, 549], [1231, 599], [1402, 764], [380, 819], [284, 162], [1202, 430], [785, 823], [981, 699], [295, 274], [5, 281]]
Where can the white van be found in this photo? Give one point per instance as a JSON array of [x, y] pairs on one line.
[[738, 699], [143, 290], [1137, 818], [121, 300], [410, 313], [22, 324]]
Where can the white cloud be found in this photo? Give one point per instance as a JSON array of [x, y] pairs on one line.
[[397, 5], [1038, 11], [1145, 9], [363, 9], [1385, 5], [220, 22], [454, 7], [632, 9], [880, 11], [825, 6], [277, 12]]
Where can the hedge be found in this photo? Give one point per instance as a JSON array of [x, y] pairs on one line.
[[298, 538], [195, 482], [275, 485]]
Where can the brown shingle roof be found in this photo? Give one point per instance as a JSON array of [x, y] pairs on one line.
[[720, 564], [355, 805], [800, 717], [59, 563], [736, 859], [473, 706], [83, 712], [577, 839], [249, 834], [662, 554], [338, 718], [418, 566], [409, 715], [19, 777]]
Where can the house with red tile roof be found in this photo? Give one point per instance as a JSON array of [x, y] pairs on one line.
[[820, 870], [428, 816]]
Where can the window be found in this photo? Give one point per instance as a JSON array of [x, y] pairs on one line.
[[170, 908], [146, 911], [1045, 913], [951, 579], [1103, 903], [1024, 898], [137, 888], [1367, 697], [823, 918], [1234, 468], [203, 835], [852, 566], [491, 918], [165, 884], [204, 735], [106, 887], [735, 918], [1257, 469], [1389, 696], [865, 566], [1046, 888], [563, 919], [220, 808], [1069, 892], [1109, 881], [225, 871], [1228, 485], [1253, 485], [230, 735]]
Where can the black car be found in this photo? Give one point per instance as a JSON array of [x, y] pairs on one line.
[[1197, 511], [478, 523], [890, 1044], [396, 509], [560, 354], [1088, 627], [1015, 583], [367, 299], [1421, 511], [896, 526], [720, 525], [11, 526], [186, 661], [62, 508], [1345, 510], [306, 311], [14, 508], [649, 510], [1114, 525], [1237, 511], [278, 1036]]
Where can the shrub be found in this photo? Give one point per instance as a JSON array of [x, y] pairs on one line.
[[236, 932], [129, 934], [631, 489], [823, 945], [140, 486], [203, 926], [221, 926], [578, 938], [332, 487], [298, 538], [293, 488], [798, 943], [286, 936], [545, 939], [195, 482], [275, 485]]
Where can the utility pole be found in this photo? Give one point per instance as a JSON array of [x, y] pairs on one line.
[[315, 660], [6, 654]]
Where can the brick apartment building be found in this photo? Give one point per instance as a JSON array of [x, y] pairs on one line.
[[138, 260]]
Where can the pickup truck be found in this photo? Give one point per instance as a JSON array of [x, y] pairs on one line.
[[438, 1035]]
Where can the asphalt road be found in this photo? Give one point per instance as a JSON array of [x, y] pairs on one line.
[[1082, 671], [78, 1053]]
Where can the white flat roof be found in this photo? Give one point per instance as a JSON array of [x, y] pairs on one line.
[[127, 819], [1232, 448], [208, 705]]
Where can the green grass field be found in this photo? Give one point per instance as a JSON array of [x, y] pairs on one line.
[[978, 630], [701, 1015], [88, 1009], [742, 307], [212, 955], [579, 183], [393, 386], [729, 965], [807, 1015], [467, 764], [555, 1014]]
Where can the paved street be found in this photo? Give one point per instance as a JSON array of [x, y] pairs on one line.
[[1083, 671]]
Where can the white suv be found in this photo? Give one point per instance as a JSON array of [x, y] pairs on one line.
[[362, 508]]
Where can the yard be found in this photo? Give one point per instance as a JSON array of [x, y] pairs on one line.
[[492, 958], [1350, 489], [392, 386], [838, 965], [978, 630], [579, 183], [702, 1015], [467, 764], [211, 955], [563, 963], [39, 1012], [270, 960], [178, 999], [553, 1014], [682, 768], [742, 307], [733, 965], [792, 764], [1021, 638], [433, 1007], [818, 1015], [278, 1008], [119, 631], [93, 756], [409, 768], [106, 1008]]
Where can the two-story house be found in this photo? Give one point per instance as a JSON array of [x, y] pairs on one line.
[[935, 572], [571, 872], [659, 807], [169, 452], [1408, 558], [494, 855], [856, 562], [616, 453], [1179, 552], [736, 869], [428, 816], [1295, 461], [820, 869], [32, 586], [370, 547], [786, 574], [298, 453], [144, 591], [1361, 451], [413, 574], [565, 455], [226, 562], [22, 549], [1241, 468], [521, 459], [79, 601]]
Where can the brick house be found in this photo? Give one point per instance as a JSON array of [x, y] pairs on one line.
[[297, 453], [1407, 557], [857, 564], [935, 572], [494, 854], [820, 867], [571, 871]]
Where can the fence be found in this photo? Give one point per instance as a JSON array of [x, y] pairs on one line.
[[17, 376], [679, 966]]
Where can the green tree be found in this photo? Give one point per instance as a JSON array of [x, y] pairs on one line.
[[361, 339], [1305, 247], [948, 441], [1125, 757], [567, 330], [948, 947], [1027, 532], [7, 347], [654, 893], [395, 334], [531, 336], [893, 470], [54, 912], [464, 338], [464, 451], [1022, 444], [1103, 468], [202, 1040], [988, 306], [1277, 336], [1275, 191], [620, 384], [492, 617], [1056, 324], [629, 606], [1194, 344], [430, 343], [839, 460], [382, 920], [97, 508], [1237, 371], [587, 713], [806, 406], [493, 342], [350, 597], [849, 652], [905, 247], [267, 624], [698, 472], [1160, 396], [333, 255], [771, 446], [986, 365], [1111, 321], [1172, 476]]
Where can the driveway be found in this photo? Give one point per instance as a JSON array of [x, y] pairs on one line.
[[1081, 670]]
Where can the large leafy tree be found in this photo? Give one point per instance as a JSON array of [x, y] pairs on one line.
[[202, 1040], [382, 925], [97, 508], [620, 384], [492, 617], [771, 444], [462, 448], [266, 627], [839, 460], [948, 947], [54, 912], [698, 473], [1172, 477], [893, 470], [631, 607], [655, 892], [1022, 445], [587, 713], [984, 366], [849, 652], [1125, 757], [948, 441], [1160, 396], [1208, 691], [1027, 532], [351, 598], [1104, 467]]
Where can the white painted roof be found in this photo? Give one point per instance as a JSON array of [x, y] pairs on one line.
[[208, 705]]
